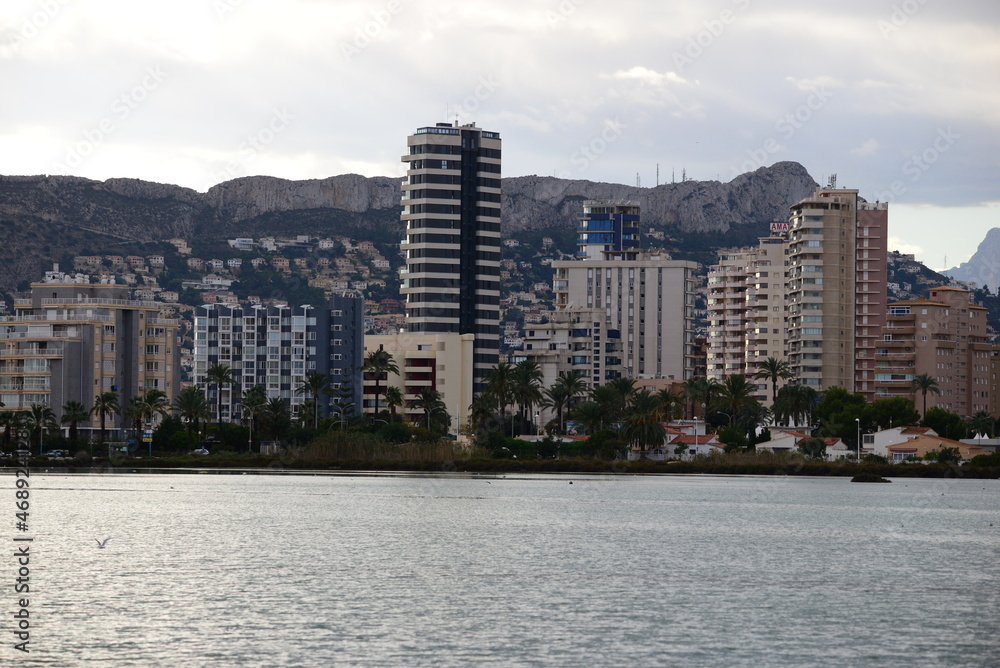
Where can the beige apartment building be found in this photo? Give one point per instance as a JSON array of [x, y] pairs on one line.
[[821, 288], [871, 288], [646, 296], [441, 362], [71, 341], [746, 305], [574, 339], [945, 337]]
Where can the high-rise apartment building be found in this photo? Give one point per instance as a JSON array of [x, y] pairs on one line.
[[607, 226], [73, 340], [871, 289], [746, 306], [945, 337], [451, 208], [647, 297], [821, 278], [277, 346], [574, 339]]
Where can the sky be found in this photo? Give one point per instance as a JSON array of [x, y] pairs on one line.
[[899, 98]]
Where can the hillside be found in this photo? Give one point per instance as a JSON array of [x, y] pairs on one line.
[[45, 218]]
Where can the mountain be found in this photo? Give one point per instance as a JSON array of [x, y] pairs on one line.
[[983, 268], [44, 218]]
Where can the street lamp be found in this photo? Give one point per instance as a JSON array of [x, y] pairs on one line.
[[858, 420]]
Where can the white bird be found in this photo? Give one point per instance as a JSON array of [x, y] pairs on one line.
[[101, 544]]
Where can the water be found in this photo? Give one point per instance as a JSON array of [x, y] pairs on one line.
[[248, 570]]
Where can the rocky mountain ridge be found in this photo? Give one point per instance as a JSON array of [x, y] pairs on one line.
[[46, 217], [983, 268]]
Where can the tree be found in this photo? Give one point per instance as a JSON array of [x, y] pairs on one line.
[[393, 399], [891, 412], [527, 381], [275, 418], [314, 384], [982, 423], [11, 422], [40, 419], [924, 383], [574, 384], [498, 386], [251, 403], [105, 405], [643, 427], [73, 413], [219, 374], [794, 403], [772, 369], [557, 399], [609, 401], [700, 391], [435, 414], [591, 414], [193, 408], [946, 423], [379, 363], [814, 448], [670, 402], [735, 395]]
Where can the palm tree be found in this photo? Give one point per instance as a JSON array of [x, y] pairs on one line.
[[429, 401], [574, 385], [314, 384], [39, 419], [74, 412], [609, 400], [219, 374], [925, 383], [556, 398], [794, 403], [143, 408], [380, 363], [643, 427], [105, 405], [700, 391], [772, 369], [670, 401], [498, 385], [591, 414], [274, 417], [982, 423], [11, 422], [252, 402], [736, 395], [527, 387], [393, 399], [193, 407]]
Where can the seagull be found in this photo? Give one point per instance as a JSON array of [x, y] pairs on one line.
[[101, 544]]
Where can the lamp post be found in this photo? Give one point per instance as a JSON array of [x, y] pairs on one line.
[[858, 421]]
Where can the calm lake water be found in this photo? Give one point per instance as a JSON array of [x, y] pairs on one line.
[[300, 570]]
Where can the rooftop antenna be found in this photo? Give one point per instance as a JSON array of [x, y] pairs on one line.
[[832, 183], [638, 181]]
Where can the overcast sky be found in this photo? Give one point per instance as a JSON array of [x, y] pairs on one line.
[[899, 98]]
